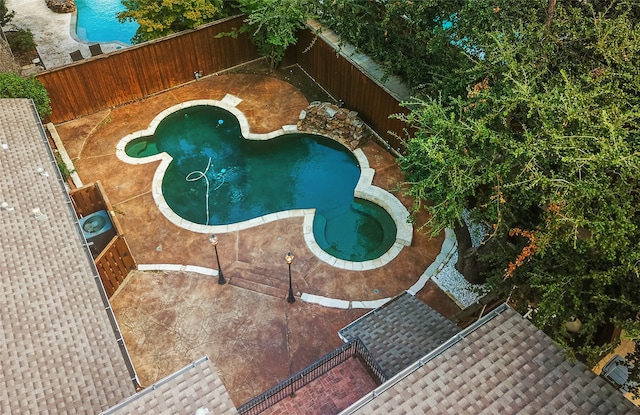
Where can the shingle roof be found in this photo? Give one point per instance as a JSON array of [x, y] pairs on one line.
[[400, 332], [195, 387], [58, 353], [503, 366]]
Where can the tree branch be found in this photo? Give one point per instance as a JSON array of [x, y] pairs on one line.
[[551, 10]]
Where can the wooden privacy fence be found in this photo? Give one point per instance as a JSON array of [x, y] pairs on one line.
[[88, 199], [115, 261], [114, 264], [133, 73], [347, 82]]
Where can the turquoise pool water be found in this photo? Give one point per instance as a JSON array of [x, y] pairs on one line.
[[218, 177], [96, 22]]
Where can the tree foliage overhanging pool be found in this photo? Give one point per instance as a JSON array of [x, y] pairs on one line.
[[217, 177]]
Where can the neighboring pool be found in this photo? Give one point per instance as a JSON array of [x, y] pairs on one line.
[[96, 22], [217, 177]]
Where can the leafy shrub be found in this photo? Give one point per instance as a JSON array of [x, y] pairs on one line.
[[5, 14], [407, 38], [62, 166], [22, 41], [15, 86], [273, 24], [162, 18]]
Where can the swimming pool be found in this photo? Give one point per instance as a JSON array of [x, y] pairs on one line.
[[96, 22], [223, 178]]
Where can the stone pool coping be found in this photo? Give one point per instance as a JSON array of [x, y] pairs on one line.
[[447, 250], [364, 190]]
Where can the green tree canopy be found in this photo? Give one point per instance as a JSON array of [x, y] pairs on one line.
[[407, 38], [162, 18], [273, 24], [15, 86], [542, 146]]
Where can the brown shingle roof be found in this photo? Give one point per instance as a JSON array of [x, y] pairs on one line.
[[503, 366], [400, 332], [58, 353], [197, 386]]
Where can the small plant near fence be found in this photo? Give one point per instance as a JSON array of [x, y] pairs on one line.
[[62, 166], [108, 120], [22, 41]]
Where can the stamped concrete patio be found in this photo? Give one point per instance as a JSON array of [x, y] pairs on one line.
[[246, 327]]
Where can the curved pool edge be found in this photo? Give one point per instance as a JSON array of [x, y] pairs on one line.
[[228, 103], [448, 248], [364, 190]]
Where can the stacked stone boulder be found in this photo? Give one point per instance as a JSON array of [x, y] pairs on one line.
[[341, 124], [62, 6]]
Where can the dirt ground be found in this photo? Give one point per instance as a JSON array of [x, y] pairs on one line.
[[21, 58]]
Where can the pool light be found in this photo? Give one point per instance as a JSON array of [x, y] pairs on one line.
[[213, 239], [289, 259]]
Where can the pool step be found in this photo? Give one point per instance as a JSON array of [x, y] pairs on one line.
[[273, 282]]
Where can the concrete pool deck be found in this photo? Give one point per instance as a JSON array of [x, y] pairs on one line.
[[254, 337]]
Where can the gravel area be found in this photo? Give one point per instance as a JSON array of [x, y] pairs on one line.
[[454, 283]]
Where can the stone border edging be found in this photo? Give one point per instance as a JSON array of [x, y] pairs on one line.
[[448, 248], [73, 173]]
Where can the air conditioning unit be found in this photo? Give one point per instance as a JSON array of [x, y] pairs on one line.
[[98, 230]]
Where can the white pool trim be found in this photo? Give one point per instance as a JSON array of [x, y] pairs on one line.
[[364, 190], [447, 250]]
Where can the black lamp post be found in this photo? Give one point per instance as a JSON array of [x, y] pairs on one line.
[[290, 297], [214, 241]]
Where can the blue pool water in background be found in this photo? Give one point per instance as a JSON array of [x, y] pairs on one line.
[[96, 22]]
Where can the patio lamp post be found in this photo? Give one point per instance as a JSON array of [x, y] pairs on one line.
[[289, 259], [213, 239]]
